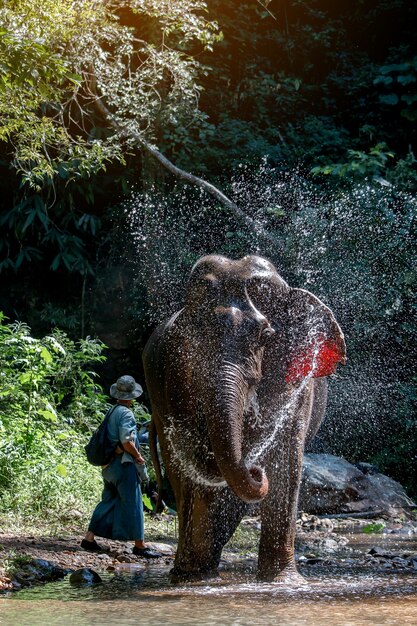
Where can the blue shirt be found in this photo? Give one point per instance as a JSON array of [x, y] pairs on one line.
[[121, 428]]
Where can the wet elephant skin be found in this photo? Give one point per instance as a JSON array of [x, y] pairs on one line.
[[237, 382]]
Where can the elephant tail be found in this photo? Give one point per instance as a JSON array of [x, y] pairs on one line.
[[156, 464]]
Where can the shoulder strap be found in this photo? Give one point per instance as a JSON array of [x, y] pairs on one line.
[[109, 412], [106, 420]]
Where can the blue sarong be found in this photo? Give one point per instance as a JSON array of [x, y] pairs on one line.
[[119, 515]]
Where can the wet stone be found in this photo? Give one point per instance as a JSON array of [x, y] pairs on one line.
[[125, 558], [84, 576], [330, 545], [117, 553], [164, 548], [403, 531], [378, 552], [38, 570], [315, 561], [24, 578]]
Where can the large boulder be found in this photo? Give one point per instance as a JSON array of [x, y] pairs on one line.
[[332, 485]]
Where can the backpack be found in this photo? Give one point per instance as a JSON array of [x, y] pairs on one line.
[[100, 450]]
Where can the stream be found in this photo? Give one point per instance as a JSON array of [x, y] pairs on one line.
[[341, 590]]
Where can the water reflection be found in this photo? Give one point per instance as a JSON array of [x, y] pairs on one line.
[[146, 597]]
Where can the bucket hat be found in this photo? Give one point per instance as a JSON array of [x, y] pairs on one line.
[[126, 388]]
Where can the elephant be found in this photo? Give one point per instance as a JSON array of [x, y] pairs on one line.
[[237, 384]]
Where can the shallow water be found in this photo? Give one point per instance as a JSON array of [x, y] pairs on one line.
[[146, 597], [334, 595]]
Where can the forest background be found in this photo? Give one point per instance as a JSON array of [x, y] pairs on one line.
[[304, 113]]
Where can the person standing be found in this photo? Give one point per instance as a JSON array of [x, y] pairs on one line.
[[119, 515]]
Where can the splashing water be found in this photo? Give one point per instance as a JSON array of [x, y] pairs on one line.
[[182, 444], [258, 452], [354, 249]]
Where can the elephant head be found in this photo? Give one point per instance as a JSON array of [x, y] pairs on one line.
[[308, 341], [242, 323]]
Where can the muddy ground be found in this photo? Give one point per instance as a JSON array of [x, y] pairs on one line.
[[375, 544]]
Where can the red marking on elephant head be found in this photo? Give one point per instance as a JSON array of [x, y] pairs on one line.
[[319, 358]]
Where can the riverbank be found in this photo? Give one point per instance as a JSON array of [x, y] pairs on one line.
[[37, 554]]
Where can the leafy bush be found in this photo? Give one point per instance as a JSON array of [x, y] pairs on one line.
[[49, 402]]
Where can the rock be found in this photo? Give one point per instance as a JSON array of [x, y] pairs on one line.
[[36, 571], [407, 532], [43, 564], [124, 558], [116, 553], [367, 468], [314, 561], [163, 548], [329, 545], [383, 553], [332, 485], [253, 522], [84, 576], [72, 514], [377, 551]]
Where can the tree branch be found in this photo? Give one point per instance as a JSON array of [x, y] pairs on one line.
[[240, 215]]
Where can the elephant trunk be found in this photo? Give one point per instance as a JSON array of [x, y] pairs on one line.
[[249, 483]]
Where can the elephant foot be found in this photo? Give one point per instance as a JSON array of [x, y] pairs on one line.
[[289, 575], [177, 576]]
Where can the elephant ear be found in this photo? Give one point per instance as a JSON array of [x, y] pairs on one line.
[[315, 340]]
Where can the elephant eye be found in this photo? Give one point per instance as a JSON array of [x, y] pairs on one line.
[[266, 334]]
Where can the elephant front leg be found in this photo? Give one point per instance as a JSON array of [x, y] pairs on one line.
[[279, 513], [276, 560], [207, 520]]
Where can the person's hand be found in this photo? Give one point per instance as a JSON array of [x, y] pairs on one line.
[[139, 459]]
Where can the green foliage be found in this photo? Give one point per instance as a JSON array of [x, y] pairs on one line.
[[399, 82], [49, 402], [373, 529], [398, 456], [360, 164], [300, 88], [80, 82], [77, 54], [30, 222]]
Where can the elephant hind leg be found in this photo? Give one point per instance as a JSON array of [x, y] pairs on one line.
[[208, 519]]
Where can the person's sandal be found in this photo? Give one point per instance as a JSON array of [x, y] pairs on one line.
[[146, 553], [91, 546]]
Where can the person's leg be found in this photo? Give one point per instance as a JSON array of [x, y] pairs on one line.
[[102, 519], [128, 522], [128, 512]]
